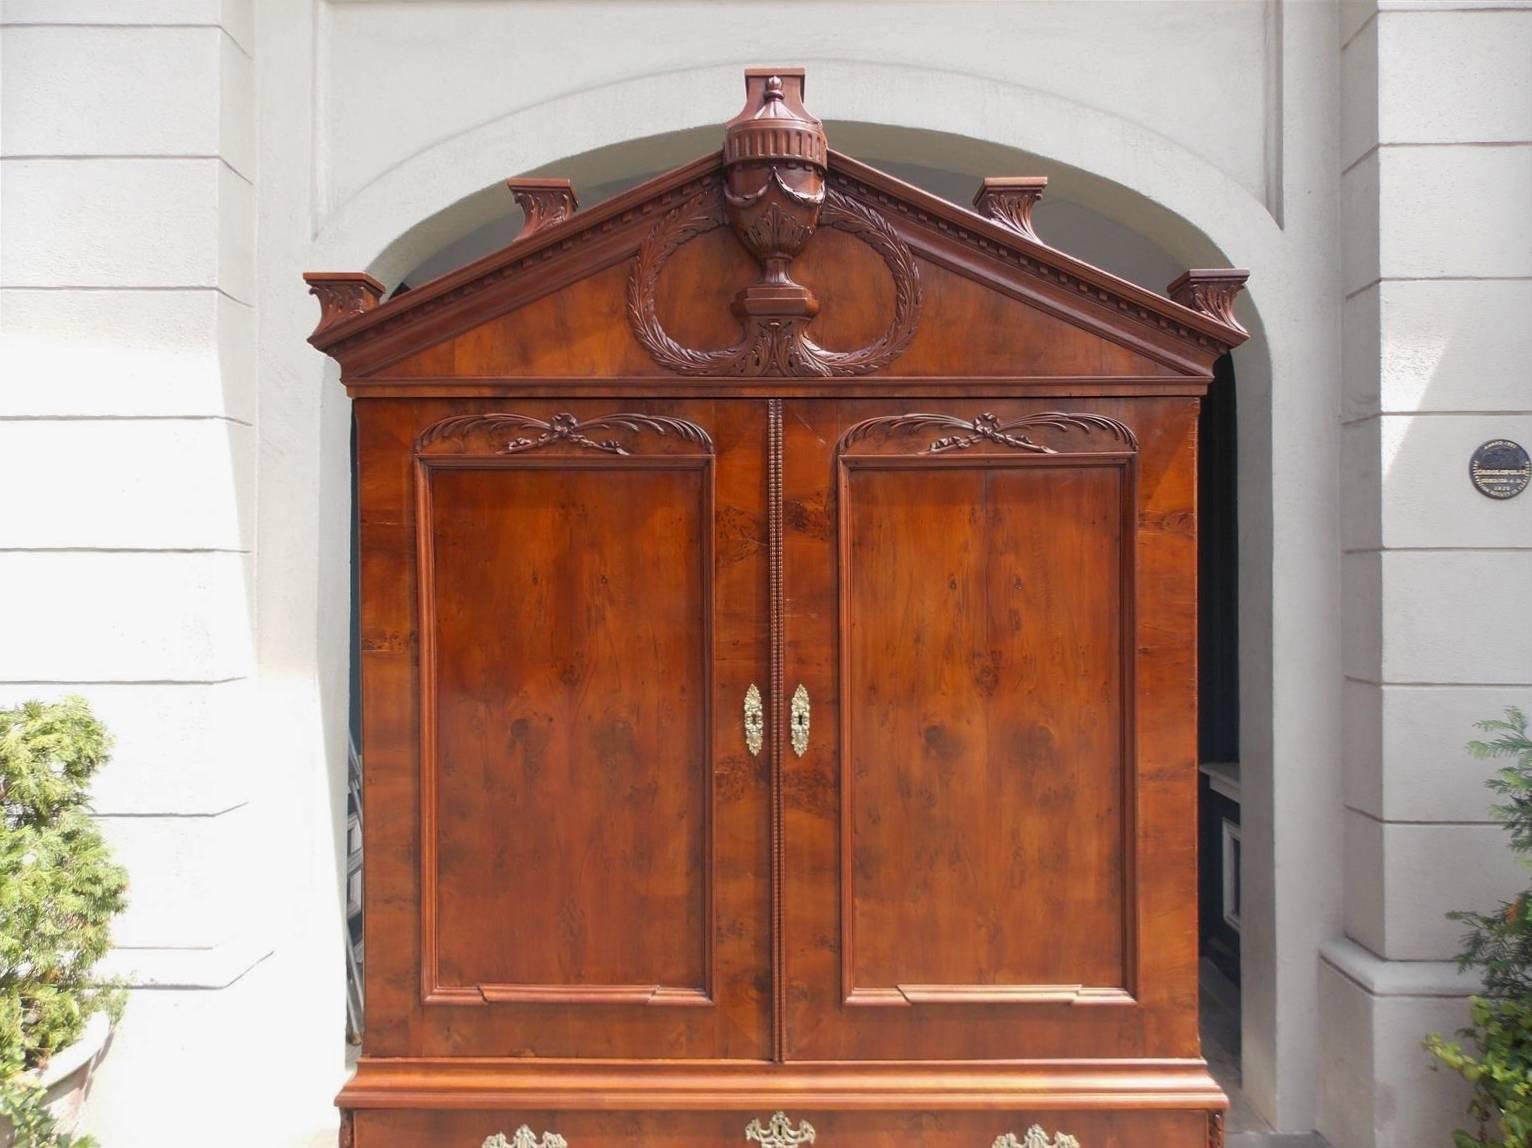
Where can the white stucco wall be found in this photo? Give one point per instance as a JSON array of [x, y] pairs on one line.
[[136, 461], [1437, 259], [170, 167]]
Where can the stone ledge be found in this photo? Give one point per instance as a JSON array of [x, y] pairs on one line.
[[237, 19], [1385, 978]]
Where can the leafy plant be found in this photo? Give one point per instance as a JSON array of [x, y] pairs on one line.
[[1495, 1052], [59, 890], [23, 1105]]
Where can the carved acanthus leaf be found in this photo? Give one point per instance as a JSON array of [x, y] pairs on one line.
[[988, 427], [543, 202], [1211, 291], [564, 428], [341, 295], [1009, 202]]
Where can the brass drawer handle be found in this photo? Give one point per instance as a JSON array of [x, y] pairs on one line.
[[798, 720], [523, 1138], [779, 1131], [755, 721], [1036, 1138]]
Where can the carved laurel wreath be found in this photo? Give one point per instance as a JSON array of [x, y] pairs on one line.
[[772, 346], [987, 427], [564, 428]]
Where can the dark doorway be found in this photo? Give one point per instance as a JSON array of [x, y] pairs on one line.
[[1218, 728]]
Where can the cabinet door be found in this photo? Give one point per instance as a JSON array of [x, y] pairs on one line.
[[989, 841], [568, 844]]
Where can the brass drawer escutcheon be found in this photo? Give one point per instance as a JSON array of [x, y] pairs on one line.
[[1036, 1138], [524, 1138], [779, 1131]]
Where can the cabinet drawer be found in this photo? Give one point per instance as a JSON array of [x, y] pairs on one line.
[[861, 1129]]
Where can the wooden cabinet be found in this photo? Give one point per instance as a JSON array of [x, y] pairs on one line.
[[778, 608]]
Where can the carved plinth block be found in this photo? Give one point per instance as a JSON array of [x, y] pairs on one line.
[[341, 295], [1009, 201], [543, 202], [1211, 291]]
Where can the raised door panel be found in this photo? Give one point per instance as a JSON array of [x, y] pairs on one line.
[[965, 830], [982, 728], [568, 617], [591, 824]]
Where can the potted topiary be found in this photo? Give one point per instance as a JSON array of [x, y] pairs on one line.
[[59, 890], [1495, 1052]]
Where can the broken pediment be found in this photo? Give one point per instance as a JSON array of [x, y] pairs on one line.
[[777, 258]]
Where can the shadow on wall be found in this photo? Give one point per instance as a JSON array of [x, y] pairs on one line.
[[488, 220]]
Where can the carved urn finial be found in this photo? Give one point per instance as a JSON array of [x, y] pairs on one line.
[[775, 194], [774, 156], [774, 126]]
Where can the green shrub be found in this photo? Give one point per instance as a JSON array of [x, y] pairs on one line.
[[23, 1107], [1495, 1052], [59, 890]]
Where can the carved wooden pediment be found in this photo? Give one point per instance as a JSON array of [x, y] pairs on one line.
[[777, 257]]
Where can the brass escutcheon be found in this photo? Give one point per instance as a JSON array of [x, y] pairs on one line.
[[778, 1132], [1036, 1138], [755, 721], [798, 720], [523, 1137]]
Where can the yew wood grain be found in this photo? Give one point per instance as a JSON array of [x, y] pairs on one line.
[[553, 748], [572, 608], [978, 769], [982, 782], [1000, 334]]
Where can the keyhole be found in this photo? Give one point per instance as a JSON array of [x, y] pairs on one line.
[[798, 720]]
